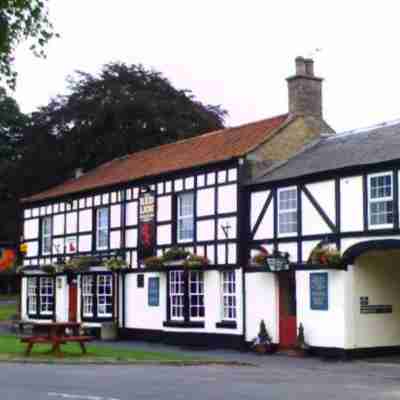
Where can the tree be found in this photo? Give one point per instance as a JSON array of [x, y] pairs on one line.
[[22, 20], [126, 108]]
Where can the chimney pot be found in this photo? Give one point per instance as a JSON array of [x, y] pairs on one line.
[[300, 66], [309, 66]]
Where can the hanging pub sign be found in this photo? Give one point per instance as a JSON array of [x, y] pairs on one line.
[[147, 208], [278, 261]]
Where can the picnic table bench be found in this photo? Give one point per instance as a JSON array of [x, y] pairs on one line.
[[55, 333]]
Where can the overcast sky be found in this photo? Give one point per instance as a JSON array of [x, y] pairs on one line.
[[231, 52]]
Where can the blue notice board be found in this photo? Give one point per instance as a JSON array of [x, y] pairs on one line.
[[319, 290], [154, 292]]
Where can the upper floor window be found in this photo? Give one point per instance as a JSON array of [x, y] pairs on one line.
[[380, 199], [46, 235], [287, 210], [185, 217], [102, 224]]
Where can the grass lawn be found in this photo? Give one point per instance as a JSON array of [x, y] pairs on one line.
[[7, 311], [11, 347]]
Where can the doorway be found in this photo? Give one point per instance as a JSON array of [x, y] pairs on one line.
[[73, 301], [287, 309]]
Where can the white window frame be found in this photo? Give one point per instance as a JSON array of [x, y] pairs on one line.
[[181, 218], [105, 298], [31, 287], [46, 295], [46, 236], [87, 295], [229, 298], [287, 211], [198, 294], [100, 228], [176, 294], [380, 200]]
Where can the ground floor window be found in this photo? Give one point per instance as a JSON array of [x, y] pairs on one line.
[[196, 295], [40, 296], [97, 296], [176, 294], [186, 295], [228, 281]]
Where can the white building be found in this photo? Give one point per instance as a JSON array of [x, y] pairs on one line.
[[276, 183]]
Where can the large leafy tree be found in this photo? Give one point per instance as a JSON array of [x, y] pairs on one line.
[[123, 109], [22, 20]]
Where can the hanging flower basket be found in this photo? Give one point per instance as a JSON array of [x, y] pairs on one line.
[[176, 257], [325, 255]]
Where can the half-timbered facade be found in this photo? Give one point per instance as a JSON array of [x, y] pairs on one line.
[[340, 192], [190, 195]]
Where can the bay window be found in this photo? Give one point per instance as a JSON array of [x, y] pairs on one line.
[[104, 296], [380, 199], [87, 295]]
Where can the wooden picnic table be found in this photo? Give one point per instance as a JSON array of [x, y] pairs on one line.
[[56, 334]]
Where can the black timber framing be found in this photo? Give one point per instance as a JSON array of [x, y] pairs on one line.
[[319, 209], [262, 214]]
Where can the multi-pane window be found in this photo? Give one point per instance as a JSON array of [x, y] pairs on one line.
[[87, 295], [287, 210], [104, 296], [32, 295], [46, 295], [228, 295], [381, 199], [102, 223], [176, 293], [186, 217], [196, 294], [46, 235]]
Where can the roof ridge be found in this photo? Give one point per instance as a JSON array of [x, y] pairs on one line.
[[206, 134], [282, 163]]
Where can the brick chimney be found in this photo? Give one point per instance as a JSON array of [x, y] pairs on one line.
[[305, 89]]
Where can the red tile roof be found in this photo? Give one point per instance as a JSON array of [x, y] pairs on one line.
[[204, 149]]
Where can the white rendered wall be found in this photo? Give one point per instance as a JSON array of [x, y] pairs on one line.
[[312, 222], [23, 298], [262, 297], [377, 276], [324, 193], [266, 228], [138, 314], [323, 328], [351, 204], [62, 299]]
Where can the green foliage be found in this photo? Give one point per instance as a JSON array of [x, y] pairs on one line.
[[325, 255], [81, 263], [22, 20], [115, 263], [175, 254]]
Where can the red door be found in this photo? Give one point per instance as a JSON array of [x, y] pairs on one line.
[[73, 299], [287, 309]]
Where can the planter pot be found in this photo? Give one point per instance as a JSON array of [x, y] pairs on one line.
[[263, 348]]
